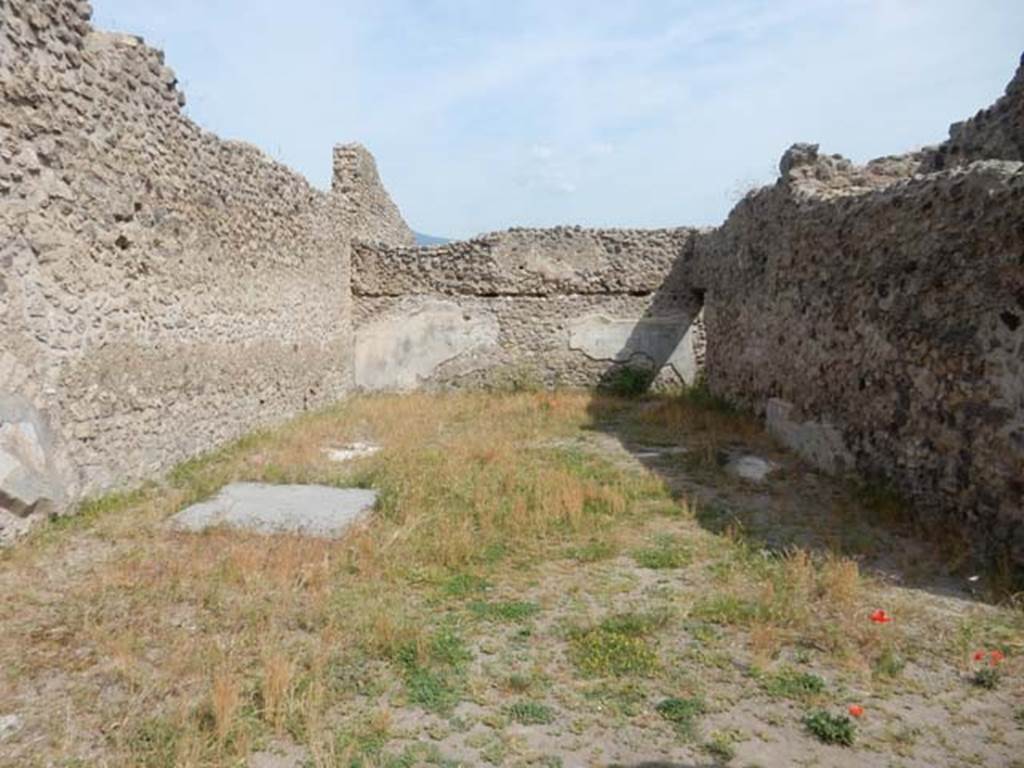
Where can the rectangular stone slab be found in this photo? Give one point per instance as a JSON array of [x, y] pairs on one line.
[[308, 510]]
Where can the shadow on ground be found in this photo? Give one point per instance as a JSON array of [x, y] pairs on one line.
[[795, 506]]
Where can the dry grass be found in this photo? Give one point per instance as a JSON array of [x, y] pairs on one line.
[[164, 608], [276, 691], [175, 649], [225, 697]]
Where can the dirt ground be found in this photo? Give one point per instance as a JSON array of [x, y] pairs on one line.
[[550, 579]]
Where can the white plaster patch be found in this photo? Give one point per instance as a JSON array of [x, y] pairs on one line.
[[666, 341], [351, 452], [22, 438], [397, 353], [819, 443], [28, 481]]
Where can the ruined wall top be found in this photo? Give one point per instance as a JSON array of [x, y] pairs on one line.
[[806, 172], [371, 215], [538, 262], [994, 133]]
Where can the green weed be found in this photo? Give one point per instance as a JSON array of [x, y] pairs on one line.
[[627, 381], [616, 647], [592, 552], [829, 728], [667, 553], [889, 664], [464, 585], [722, 745], [987, 678], [509, 610], [154, 744], [724, 609], [788, 683], [436, 683], [531, 713], [683, 714]]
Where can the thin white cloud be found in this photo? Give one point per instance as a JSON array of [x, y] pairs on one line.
[[484, 115]]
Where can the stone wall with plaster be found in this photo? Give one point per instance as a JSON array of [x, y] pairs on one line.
[[564, 306], [161, 290], [875, 315]]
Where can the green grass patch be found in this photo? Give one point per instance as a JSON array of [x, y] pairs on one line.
[[618, 697], [508, 610], [436, 683], [616, 647], [889, 664], [154, 744], [434, 690], [416, 755], [683, 714], [634, 486], [721, 745], [362, 745], [531, 713], [464, 585], [987, 678], [789, 683], [635, 624], [667, 552], [724, 609], [447, 648], [700, 396], [627, 381], [829, 728], [593, 551]]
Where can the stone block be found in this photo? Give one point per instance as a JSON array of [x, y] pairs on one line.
[[306, 510], [819, 443]]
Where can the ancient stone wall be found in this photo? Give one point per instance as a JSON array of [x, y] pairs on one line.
[[161, 290], [565, 306], [994, 133], [369, 212], [876, 317]]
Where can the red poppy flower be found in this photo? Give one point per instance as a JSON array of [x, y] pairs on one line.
[[979, 655], [856, 710], [881, 617], [995, 657]]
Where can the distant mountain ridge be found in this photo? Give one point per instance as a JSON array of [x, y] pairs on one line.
[[422, 239]]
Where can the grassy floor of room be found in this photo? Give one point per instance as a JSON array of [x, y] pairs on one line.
[[549, 579]]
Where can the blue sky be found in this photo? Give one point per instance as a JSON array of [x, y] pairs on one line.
[[485, 114]]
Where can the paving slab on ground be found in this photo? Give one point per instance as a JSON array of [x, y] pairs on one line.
[[351, 451], [752, 468], [310, 510]]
